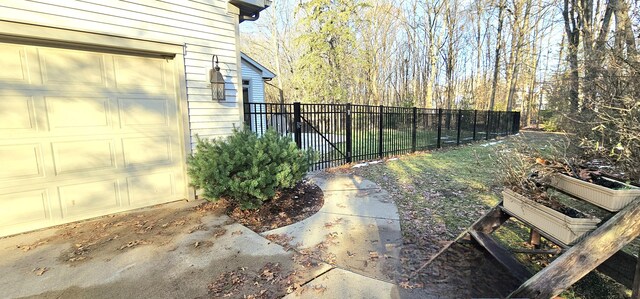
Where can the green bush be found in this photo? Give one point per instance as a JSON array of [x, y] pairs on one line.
[[247, 169]]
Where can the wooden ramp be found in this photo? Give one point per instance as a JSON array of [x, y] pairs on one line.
[[600, 250]]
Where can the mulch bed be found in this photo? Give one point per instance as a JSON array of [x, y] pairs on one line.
[[288, 207]]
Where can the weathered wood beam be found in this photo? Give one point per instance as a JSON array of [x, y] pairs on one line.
[[502, 255], [536, 251], [491, 221], [585, 256], [488, 223]]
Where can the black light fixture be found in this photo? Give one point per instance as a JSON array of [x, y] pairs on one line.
[[216, 80]]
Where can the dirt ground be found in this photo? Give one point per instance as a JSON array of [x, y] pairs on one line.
[[461, 271]]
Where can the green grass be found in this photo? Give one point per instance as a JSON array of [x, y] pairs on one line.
[[441, 193], [366, 144], [400, 141]]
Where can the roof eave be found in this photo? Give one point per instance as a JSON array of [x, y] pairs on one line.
[[251, 7], [266, 73]]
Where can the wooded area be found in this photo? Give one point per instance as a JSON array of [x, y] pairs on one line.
[[488, 54], [576, 60]]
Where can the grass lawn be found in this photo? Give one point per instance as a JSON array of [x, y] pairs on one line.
[[439, 194], [366, 143]]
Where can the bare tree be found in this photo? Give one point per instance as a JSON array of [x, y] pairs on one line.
[[496, 66]]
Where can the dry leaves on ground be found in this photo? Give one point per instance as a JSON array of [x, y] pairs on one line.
[[270, 281]]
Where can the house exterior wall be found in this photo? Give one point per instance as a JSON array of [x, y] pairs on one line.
[[256, 95], [203, 27], [256, 86]]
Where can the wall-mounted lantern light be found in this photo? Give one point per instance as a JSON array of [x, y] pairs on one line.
[[216, 80]]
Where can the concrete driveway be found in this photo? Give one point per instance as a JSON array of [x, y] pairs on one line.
[[178, 250]]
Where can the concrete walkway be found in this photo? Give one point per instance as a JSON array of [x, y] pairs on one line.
[[359, 232], [173, 269]]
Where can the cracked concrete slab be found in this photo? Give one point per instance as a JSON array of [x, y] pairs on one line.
[[359, 227]]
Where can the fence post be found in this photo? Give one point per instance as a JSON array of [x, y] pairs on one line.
[[380, 132], [459, 121], [498, 127], [297, 119], [487, 125], [439, 127], [414, 133], [475, 122], [348, 134], [516, 123]]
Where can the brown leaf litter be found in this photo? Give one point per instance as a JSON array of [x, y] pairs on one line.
[[270, 281], [110, 235]]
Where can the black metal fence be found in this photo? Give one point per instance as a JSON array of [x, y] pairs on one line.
[[345, 133]]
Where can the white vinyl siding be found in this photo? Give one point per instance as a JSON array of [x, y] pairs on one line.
[[256, 95], [204, 27], [256, 84]]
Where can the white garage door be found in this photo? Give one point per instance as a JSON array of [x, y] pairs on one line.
[[84, 134]]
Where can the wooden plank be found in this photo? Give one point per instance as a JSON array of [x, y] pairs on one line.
[[491, 221], [585, 256], [501, 254], [537, 251]]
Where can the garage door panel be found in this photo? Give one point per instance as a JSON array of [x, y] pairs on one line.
[[17, 115], [150, 188], [88, 198], [14, 64], [21, 161], [70, 67], [78, 113], [24, 207], [140, 73], [147, 151], [83, 156], [144, 112]]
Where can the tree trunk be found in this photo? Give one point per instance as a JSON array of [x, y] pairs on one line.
[[496, 66], [573, 40]]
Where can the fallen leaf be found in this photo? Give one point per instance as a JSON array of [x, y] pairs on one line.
[[319, 289], [218, 232], [131, 244], [40, 271]]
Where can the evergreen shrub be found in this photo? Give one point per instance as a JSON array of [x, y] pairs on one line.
[[246, 169]]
